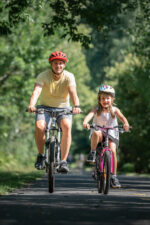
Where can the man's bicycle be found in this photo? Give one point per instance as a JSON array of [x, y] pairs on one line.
[[52, 143], [104, 159]]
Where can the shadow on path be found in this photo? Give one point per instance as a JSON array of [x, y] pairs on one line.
[[76, 201]]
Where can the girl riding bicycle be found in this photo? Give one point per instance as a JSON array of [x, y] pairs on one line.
[[105, 114]]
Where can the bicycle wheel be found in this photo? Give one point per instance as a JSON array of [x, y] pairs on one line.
[[106, 172], [100, 183], [51, 169], [99, 176]]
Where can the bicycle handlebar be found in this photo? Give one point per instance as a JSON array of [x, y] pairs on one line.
[[120, 127], [51, 111]]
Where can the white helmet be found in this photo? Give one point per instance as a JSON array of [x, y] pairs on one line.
[[107, 89]]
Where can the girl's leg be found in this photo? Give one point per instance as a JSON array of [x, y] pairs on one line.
[[112, 146], [95, 139], [114, 181]]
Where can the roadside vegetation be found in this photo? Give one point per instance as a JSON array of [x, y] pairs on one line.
[[14, 179]]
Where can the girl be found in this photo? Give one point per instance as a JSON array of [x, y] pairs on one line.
[[105, 114]]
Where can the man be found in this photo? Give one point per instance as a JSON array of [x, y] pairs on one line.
[[54, 87]]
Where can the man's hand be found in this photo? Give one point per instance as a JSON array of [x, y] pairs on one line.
[[31, 108], [76, 110]]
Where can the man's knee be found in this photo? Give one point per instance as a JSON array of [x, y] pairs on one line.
[[40, 125], [66, 125]]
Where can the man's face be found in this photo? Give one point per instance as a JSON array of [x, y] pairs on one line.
[[57, 66]]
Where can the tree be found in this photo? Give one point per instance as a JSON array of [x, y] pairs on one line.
[[103, 15]]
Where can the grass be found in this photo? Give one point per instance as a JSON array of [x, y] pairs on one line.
[[13, 179]]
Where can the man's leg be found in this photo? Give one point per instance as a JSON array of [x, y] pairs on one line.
[[40, 135], [66, 126], [40, 141]]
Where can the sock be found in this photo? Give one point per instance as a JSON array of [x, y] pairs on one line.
[[41, 154]]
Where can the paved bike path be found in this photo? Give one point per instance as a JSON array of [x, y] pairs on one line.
[[77, 202]]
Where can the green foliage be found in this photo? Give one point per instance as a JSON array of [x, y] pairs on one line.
[[14, 12], [131, 81], [11, 180]]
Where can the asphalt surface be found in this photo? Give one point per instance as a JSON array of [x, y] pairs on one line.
[[77, 202]]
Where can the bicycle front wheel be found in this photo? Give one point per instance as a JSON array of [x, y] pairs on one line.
[[106, 172], [51, 169], [99, 176]]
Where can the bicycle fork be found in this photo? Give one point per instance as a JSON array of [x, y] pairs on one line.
[[47, 143], [102, 159]]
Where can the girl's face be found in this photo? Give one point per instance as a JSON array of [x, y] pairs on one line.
[[106, 100]]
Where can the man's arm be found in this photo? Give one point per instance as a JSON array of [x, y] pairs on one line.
[[34, 97], [75, 100]]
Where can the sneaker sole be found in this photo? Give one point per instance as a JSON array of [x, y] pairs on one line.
[[115, 187], [92, 162], [64, 172]]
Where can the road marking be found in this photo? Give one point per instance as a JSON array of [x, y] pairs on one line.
[[140, 194], [147, 199]]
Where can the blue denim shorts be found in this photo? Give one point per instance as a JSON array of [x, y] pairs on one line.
[[47, 118]]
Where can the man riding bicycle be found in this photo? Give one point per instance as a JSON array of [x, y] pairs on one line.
[[54, 87]]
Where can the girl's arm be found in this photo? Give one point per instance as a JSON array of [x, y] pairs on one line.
[[123, 119], [87, 118]]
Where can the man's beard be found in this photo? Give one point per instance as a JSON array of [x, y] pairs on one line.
[[57, 74]]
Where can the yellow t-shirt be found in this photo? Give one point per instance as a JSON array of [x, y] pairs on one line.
[[55, 93]]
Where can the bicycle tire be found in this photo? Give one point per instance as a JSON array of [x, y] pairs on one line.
[[100, 184], [106, 172], [99, 177], [51, 169]]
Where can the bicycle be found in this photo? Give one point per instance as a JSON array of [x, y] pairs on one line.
[[104, 159], [52, 143]]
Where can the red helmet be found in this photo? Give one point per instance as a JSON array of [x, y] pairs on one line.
[[58, 55]]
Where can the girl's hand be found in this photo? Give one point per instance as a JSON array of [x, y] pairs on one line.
[[126, 127], [86, 125]]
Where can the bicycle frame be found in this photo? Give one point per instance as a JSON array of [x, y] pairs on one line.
[[101, 159], [104, 149], [53, 133]]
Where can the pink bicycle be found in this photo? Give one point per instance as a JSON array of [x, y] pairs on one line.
[[104, 159]]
